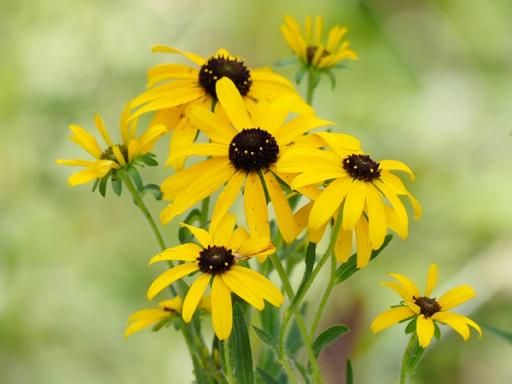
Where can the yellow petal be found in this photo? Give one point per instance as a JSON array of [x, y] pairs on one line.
[[319, 26], [398, 288], [260, 284], [408, 285], [75, 163], [223, 230], [173, 304], [203, 236], [376, 217], [191, 56], [201, 149], [143, 319], [343, 245], [256, 246], [340, 142], [363, 246], [118, 155], [454, 320], [431, 279], [390, 317], [232, 103], [222, 311], [149, 138], [402, 220], [227, 198], [424, 330], [169, 277], [255, 206], [456, 296], [194, 295], [298, 126], [242, 289], [103, 131], [283, 212], [211, 125], [396, 166], [84, 139], [161, 72], [328, 202], [238, 237], [83, 177], [182, 136], [184, 252], [354, 203], [318, 176]]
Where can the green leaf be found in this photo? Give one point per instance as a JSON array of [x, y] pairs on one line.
[[266, 338], [148, 159], [294, 338], [300, 74], [310, 263], [103, 184], [329, 336], [137, 179], [349, 267], [266, 377], [499, 332], [412, 356], [332, 78], [154, 190], [349, 373], [437, 331], [117, 185], [315, 77], [411, 327], [95, 186], [240, 346]]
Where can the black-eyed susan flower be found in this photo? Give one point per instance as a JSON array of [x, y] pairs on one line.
[[426, 309], [243, 151], [175, 87], [217, 260], [315, 51], [114, 156], [366, 190]]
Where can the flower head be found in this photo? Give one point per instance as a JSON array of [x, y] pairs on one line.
[[358, 185], [244, 149], [176, 87], [115, 155], [425, 309], [312, 48], [217, 260]]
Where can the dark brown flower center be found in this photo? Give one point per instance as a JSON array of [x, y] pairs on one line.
[[361, 167], [253, 149], [311, 51], [215, 260], [428, 305], [108, 154], [218, 67]]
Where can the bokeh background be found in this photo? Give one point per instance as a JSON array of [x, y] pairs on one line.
[[433, 87]]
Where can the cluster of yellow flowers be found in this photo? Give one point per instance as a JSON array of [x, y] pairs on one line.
[[257, 138]]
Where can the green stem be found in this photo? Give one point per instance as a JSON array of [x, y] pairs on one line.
[[310, 89], [325, 298], [227, 363], [317, 376], [205, 207], [411, 358]]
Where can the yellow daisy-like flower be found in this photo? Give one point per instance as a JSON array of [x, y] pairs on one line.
[[358, 185], [114, 156], [311, 48], [426, 309], [244, 149], [184, 85], [216, 259]]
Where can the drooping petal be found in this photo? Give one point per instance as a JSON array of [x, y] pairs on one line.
[[454, 320], [431, 279], [222, 310], [328, 202], [227, 198], [376, 217], [182, 136], [363, 245], [232, 103], [343, 245], [256, 246], [390, 317], [242, 289], [183, 252], [261, 284], [456, 296], [354, 203], [255, 206], [194, 295], [146, 317], [402, 221], [169, 277], [424, 330]]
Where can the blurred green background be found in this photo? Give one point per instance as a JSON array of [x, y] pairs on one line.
[[433, 87]]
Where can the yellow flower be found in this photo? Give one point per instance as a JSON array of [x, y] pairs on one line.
[[166, 309], [185, 85], [115, 156], [311, 48], [358, 185], [216, 259], [244, 148], [426, 309]]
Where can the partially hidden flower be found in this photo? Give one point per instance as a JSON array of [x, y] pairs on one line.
[[113, 156], [244, 149], [425, 309], [173, 88], [217, 260], [312, 48], [365, 190]]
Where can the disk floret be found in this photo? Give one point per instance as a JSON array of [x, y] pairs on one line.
[[218, 67], [361, 167], [215, 260], [253, 149]]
